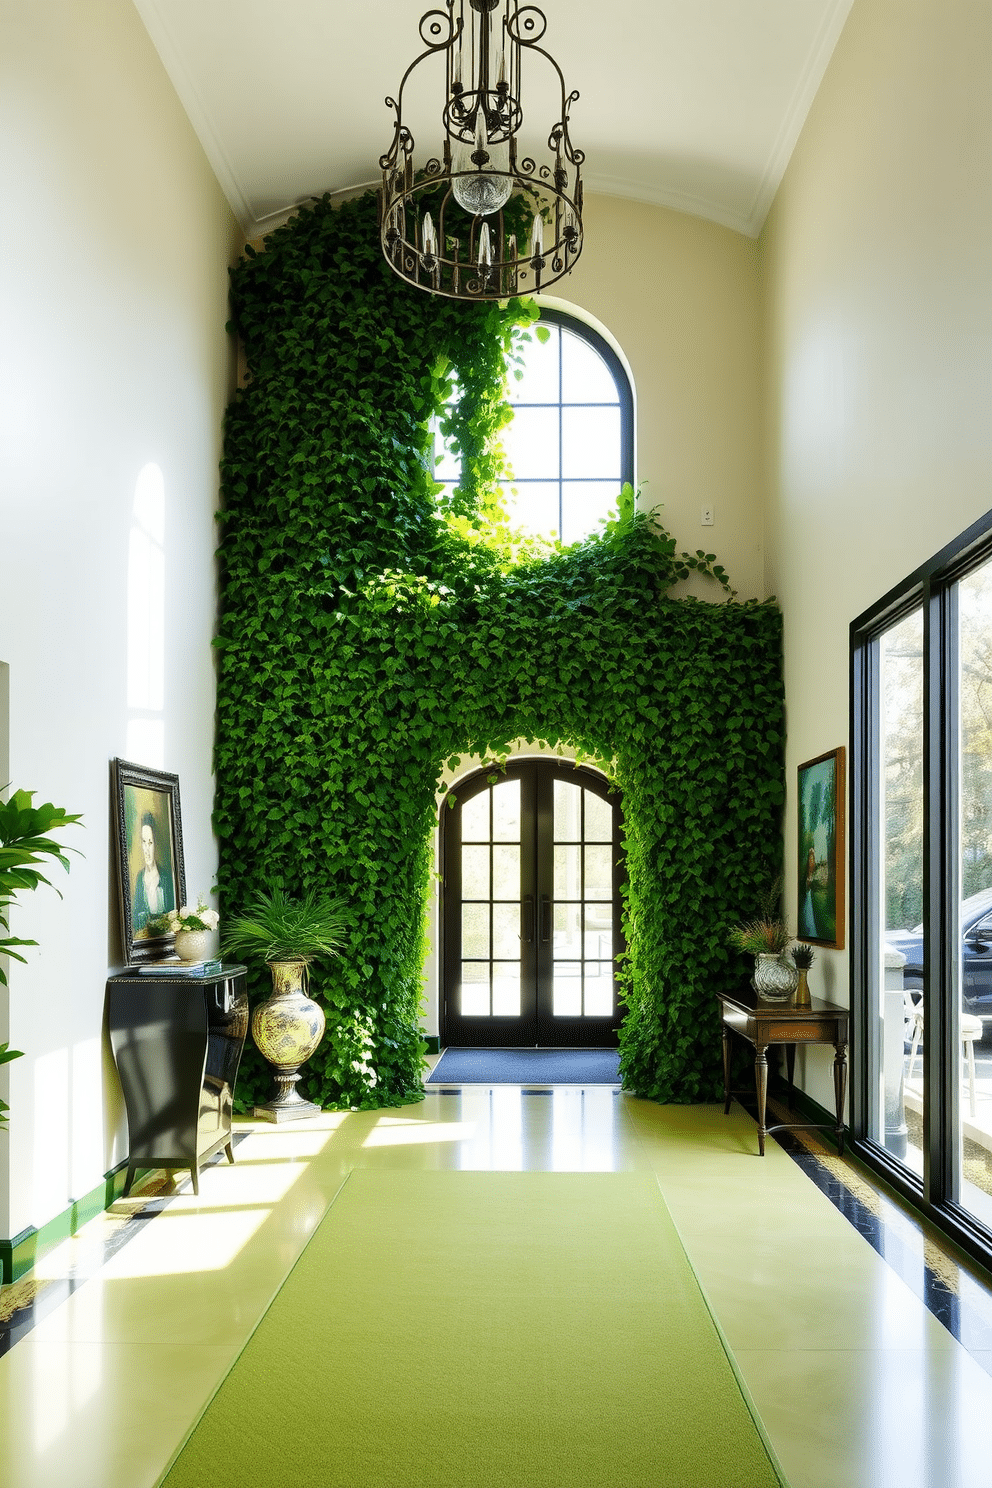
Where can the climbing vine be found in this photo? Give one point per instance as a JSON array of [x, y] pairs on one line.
[[370, 635]]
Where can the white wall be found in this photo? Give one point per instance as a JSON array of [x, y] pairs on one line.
[[682, 298], [878, 306], [115, 373]]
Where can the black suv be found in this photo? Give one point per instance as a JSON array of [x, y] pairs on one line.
[[976, 954]]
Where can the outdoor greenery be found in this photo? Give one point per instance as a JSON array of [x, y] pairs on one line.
[[24, 844], [370, 635], [902, 719]]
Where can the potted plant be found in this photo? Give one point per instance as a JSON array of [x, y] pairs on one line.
[[803, 957], [288, 934], [766, 939], [24, 843], [191, 927]]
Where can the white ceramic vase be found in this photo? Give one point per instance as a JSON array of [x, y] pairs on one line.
[[192, 945]]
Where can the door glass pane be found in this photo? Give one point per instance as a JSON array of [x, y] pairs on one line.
[[599, 819], [475, 930], [506, 811], [599, 989], [475, 818], [506, 872], [598, 931], [568, 989], [599, 873], [898, 1113], [475, 872], [974, 1007], [475, 990], [568, 811], [568, 872], [568, 931], [506, 930], [506, 989]]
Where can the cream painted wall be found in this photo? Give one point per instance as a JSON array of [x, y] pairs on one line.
[[682, 299], [115, 374], [878, 317]]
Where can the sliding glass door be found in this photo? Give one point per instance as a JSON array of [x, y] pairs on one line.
[[922, 886]]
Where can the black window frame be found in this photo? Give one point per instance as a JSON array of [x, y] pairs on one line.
[[930, 587]]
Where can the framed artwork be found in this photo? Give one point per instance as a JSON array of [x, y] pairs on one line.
[[821, 850], [151, 874]]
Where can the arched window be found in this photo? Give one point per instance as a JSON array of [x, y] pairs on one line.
[[570, 444]]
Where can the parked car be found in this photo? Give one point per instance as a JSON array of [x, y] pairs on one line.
[[976, 954]]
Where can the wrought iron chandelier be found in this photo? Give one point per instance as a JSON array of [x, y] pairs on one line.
[[480, 222]]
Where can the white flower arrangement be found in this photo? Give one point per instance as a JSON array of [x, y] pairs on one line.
[[200, 918]]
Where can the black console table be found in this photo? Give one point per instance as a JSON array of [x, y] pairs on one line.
[[177, 1044]]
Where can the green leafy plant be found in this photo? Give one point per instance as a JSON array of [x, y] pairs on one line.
[[280, 929], [24, 844], [369, 635], [761, 937]]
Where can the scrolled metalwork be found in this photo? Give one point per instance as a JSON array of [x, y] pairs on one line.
[[526, 18], [437, 29]]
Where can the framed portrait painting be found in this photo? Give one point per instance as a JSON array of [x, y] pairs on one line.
[[821, 850], [151, 874]]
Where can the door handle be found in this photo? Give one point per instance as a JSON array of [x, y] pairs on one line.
[[545, 918], [527, 934]]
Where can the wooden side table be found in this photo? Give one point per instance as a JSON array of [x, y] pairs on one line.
[[760, 1024]]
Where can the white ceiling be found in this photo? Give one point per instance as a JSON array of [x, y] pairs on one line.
[[691, 104]]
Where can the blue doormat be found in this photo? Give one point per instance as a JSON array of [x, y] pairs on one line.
[[527, 1067]]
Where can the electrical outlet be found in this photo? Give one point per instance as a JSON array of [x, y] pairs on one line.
[[706, 517]]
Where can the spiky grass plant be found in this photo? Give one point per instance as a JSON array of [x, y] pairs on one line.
[[765, 936], [280, 929], [803, 955]]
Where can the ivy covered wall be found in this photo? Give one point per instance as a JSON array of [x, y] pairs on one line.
[[367, 638]]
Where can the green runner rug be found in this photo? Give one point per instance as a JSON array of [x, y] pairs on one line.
[[476, 1330]]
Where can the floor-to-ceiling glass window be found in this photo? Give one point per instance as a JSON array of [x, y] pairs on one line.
[[922, 885]]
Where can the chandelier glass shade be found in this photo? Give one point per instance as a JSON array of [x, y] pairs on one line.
[[482, 221]]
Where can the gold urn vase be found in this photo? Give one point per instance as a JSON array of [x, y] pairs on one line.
[[287, 1028]]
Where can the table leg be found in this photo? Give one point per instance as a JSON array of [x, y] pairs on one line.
[[840, 1086], [761, 1083], [726, 1072], [790, 1069]]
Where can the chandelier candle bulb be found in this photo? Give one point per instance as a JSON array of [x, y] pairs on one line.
[[485, 247], [537, 238], [429, 239]]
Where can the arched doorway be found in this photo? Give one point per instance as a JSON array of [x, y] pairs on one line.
[[531, 873]]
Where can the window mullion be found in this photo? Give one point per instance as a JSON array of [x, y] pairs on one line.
[[941, 893]]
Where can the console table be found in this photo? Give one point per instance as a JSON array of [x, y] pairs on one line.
[[177, 1043], [744, 1015]]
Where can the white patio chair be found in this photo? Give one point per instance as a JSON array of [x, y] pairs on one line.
[[971, 1029]]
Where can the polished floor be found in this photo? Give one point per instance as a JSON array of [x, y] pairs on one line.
[[865, 1350]]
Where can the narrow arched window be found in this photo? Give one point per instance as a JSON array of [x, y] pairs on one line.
[[570, 443]]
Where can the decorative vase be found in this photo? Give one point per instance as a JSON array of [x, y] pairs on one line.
[[287, 1029], [775, 979], [192, 945], [802, 997]]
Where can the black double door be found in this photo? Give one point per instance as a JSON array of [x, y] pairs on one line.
[[531, 867]]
